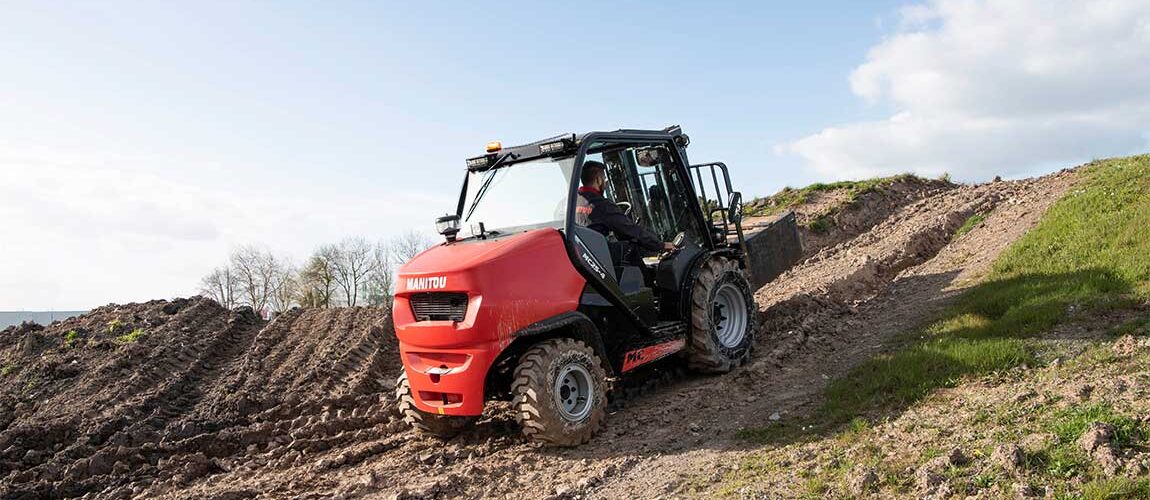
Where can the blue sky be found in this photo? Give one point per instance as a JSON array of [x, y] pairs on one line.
[[143, 140]]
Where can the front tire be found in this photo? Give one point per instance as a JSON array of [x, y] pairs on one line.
[[440, 426], [722, 318], [559, 392]]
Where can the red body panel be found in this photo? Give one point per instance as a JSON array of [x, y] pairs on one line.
[[511, 282]]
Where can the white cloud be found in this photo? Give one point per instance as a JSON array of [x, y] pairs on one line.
[[80, 232], [980, 88]]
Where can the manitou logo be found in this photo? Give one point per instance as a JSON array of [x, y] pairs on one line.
[[427, 283]]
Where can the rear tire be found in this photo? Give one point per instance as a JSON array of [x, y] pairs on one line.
[[560, 392], [722, 318], [440, 426]]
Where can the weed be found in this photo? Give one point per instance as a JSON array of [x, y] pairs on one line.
[[967, 226], [131, 337], [820, 225], [115, 325], [9, 368], [71, 338]]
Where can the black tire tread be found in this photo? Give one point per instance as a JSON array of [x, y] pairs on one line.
[[704, 353], [531, 400]]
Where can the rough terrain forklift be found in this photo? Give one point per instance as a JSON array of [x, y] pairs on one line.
[[523, 304]]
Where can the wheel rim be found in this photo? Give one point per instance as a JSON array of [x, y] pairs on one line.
[[729, 315], [573, 390]]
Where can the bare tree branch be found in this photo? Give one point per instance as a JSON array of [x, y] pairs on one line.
[[352, 264], [221, 285]]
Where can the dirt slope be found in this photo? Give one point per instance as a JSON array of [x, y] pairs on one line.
[[213, 403]]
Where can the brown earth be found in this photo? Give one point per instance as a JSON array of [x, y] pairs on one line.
[[844, 215], [214, 403]]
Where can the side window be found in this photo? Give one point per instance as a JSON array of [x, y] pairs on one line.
[[646, 177]]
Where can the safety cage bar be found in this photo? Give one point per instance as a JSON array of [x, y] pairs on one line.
[[724, 197]]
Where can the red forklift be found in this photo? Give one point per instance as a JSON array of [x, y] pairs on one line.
[[521, 303]]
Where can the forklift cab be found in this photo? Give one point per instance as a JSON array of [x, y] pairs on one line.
[[646, 179]]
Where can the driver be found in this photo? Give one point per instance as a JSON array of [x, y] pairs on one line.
[[597, 212]]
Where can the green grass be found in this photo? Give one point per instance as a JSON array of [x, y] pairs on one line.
[[790, 197], [1069, 423], [131, 337], [967, 226], [71, 338], [1089, 253], [115, 325], [1116, 488], [1064, 460], [9, 368], [1133, 326]]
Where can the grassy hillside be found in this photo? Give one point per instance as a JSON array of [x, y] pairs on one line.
[[1089, 256], [1091, 252], [789, 197]]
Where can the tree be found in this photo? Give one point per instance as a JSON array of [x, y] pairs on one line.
[[378, 286], [284, 286], [255, 270], [352, 264], [408, 245], [221, 285], [317, 284]]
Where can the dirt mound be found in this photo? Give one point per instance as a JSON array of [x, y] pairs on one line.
[[831, 214], [165, 392]]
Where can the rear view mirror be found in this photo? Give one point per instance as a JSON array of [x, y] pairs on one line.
[[735, 207], [650, 157]]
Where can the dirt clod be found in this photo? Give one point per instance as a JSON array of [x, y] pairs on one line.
[[861, 480], [1007, 456], [1097, 435]]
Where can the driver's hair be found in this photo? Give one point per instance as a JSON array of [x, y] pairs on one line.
[[591, 171]]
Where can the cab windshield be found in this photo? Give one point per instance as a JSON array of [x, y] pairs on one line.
[[517, 197]]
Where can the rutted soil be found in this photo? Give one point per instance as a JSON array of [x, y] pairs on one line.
[[199, 391], [213, 402]]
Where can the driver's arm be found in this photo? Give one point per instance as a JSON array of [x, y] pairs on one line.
[[626, 229]]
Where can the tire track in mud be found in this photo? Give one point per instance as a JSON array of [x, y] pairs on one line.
[[209, 402]]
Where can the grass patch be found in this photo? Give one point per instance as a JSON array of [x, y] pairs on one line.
[[1064, 459], [789, 197], [820, 225], [967, 226], [71, 338], [9, 368], [114, 326], [131, 337], [1116, 488], [1135, 326]]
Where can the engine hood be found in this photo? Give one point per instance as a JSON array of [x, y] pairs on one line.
[[467, 255]]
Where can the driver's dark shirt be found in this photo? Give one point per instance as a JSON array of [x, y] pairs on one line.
[[598, 213]]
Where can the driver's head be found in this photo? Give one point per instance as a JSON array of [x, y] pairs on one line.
[[594, 174]]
